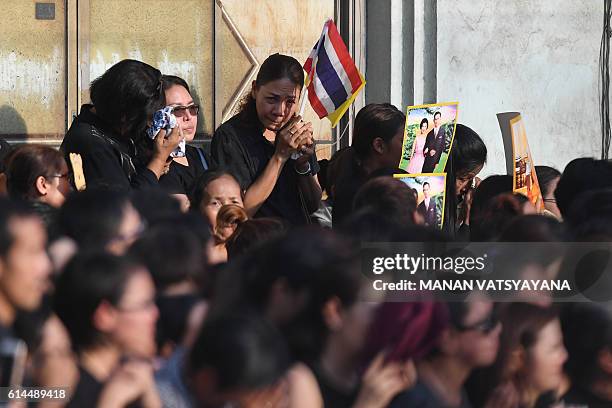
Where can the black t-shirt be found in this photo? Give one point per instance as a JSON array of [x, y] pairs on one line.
[[88, 390], [240, 147], [182, 179], [348, 183], [108, 160], [421, 396]]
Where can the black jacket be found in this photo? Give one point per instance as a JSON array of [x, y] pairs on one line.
[[108, 160]]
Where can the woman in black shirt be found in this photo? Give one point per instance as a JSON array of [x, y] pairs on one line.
[[256, 146], [106, 132], [184, 171]]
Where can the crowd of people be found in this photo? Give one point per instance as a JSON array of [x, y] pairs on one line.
[[232, 276]]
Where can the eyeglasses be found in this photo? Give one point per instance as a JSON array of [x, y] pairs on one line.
[[179, 111], [485, 326], [146, 305], [61, 176], [549, 200]]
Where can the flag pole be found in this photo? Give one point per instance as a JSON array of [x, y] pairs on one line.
[[304, 95]]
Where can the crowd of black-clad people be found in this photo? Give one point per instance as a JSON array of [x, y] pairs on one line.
[[232, 276]]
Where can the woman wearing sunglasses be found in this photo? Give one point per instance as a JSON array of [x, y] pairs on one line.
[[469, 341], [184, 171]]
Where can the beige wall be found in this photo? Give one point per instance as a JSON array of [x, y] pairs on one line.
[[176, 36], [32, 72]]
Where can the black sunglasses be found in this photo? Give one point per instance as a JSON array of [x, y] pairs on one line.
[[485, 326]]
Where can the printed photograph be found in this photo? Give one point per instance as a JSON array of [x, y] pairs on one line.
[[428, 137], [525, 180], [429, 190]]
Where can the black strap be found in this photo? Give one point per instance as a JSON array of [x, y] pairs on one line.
[[202, 157]]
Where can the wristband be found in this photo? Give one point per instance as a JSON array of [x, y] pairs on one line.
[[305, 172]]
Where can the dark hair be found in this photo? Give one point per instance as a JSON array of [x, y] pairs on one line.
[[168, 81], [423, 185], [533, 228], [275, 67], [199, 193], [424, 120], [587, 330], [251, 233], [172, 255], [392, 198], [495, 216], [26, 164], [375, 120], [5, 153], [437, 113], [127, 95], [590, 216], [521, 322], [88, 280], [581, 175], [546, 175], [310, 261], [257, 356], [467, 153], [92, 217], [154, 204], [10, 210]]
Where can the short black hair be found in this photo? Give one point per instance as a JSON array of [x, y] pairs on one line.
[[9, 210], [92, 217], [546, 175], [257, 356], [437, 113], [127, 95], [88, 280], [168, 81], [425, 121], [172, 254], [425, 184]]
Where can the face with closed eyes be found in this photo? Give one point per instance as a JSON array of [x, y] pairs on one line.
[[219, 192]]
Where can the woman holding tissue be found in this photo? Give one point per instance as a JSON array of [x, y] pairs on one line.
[[184, 171], [106, 132], [256, 146]]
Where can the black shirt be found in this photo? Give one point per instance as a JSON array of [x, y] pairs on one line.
[[240, 147], [108, 160], [348, 182], [182, 179]]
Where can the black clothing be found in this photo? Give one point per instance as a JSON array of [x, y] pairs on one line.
[[430, 214], [87, 391], [349, 180], [182, 179], [240, 147], [436, 143], [332, 396], [576, 396], [421, 396], [108, 159]]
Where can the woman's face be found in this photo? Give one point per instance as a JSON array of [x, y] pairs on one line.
[[185, 110], [423, 128], [550, 203], [137, 314], [276, 102], [58, 188], [546, 358], [219, 192], [464, 180], [479, 336], [393, 152]]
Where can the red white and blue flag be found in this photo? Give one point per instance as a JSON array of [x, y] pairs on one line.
[[333, 80]]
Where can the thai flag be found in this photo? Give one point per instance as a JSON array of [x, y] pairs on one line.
[[333, 80]]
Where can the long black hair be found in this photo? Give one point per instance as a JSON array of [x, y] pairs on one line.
[[467, 154]]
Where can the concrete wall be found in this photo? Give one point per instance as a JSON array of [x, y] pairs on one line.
[[536, 57]]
